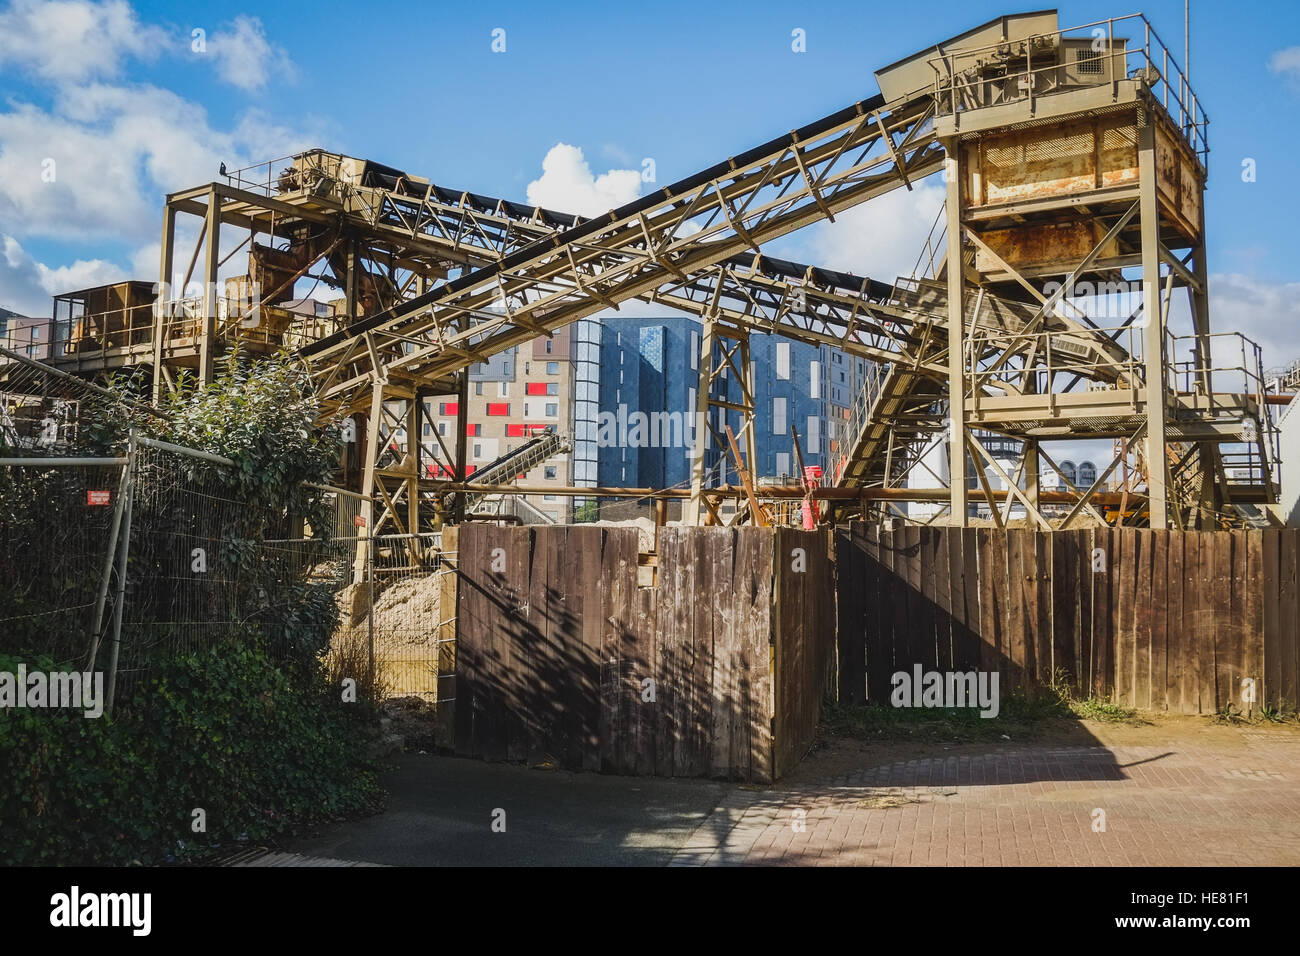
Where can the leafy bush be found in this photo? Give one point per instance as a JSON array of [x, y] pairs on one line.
[[224, 731], [249, 729]]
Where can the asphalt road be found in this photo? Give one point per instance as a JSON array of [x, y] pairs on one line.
[[441, 813]]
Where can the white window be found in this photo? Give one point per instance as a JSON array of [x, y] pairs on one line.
[[783, 360], [783, 463], [478, 451], [695, 351], [503, 389], [778, 416], [814, 435], [815, 379], [552, 409]]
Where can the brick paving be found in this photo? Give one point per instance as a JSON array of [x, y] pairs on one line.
[[1167, 805]]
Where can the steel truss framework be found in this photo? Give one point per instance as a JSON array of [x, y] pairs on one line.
[[436, 280]]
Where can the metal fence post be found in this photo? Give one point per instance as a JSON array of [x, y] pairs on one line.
[[110, 555], [121, 573], [370, 612]]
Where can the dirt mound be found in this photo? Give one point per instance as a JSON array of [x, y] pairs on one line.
[[406, 618], [645, 529]]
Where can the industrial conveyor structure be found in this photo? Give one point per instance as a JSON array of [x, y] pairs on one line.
[[1072, 159]]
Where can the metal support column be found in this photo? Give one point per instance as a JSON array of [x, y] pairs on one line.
[[413, 479], [462, 445], [161, 318], [374, 423], [1153, 337], [695, 506], [1030, 468], [211, 260], [956, 321]]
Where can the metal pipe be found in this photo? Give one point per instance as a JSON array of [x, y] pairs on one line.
[[121, 576], [58, 462], [182, 450], [101, 598]]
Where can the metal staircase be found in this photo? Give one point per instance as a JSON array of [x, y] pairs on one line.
[[514, 464]]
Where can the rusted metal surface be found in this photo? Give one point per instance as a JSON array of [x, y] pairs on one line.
[[1043, 244], [1049, 161], [1178, 178]]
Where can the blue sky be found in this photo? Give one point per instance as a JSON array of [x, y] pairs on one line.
[[114, 92]]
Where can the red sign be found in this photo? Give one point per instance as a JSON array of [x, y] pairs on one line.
[[98, 497], [359, 521], [520, 431]]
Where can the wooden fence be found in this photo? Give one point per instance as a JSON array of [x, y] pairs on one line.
[[803, 641], [721, 667], [562, 657], [1161, 620]]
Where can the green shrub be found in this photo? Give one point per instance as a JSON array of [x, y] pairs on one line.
[[224, 731]]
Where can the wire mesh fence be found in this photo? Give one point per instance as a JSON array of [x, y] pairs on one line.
[[203, 566], [41, 407], [412, 612], [56, 523]]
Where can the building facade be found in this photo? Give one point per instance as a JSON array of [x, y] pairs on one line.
[[643, 373], [24, 335], [624, 391]]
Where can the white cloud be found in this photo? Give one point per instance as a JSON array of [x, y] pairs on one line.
[[245, 57], [115, 151], [568, 185], [93, 157], [1286, 61], [27, 285], [75, 40], [1267, 312], [89, 157]]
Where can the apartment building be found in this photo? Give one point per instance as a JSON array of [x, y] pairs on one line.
[[513, 396], [24, 335], [635, 418], [624, 391]]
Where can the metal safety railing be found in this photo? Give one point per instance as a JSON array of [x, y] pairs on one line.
[[1060, 358], [316, 171], [860, 415], [1032, 67], [1234, 367]]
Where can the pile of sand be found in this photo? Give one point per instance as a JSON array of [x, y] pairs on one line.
[[645, 531], [406, 618]]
